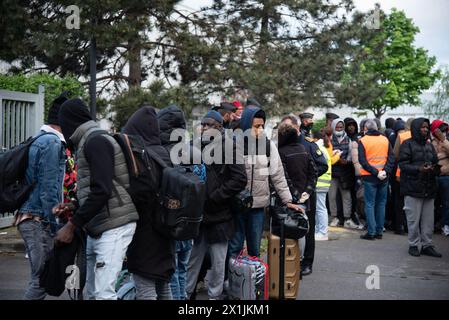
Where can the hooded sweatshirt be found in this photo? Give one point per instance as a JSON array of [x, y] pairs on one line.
[[150, 254], [342, 143], [442, 149], [349, 121], [265, 166], [413, 154], [170, 118], [98, 151]]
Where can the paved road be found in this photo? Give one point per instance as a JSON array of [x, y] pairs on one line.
[[339, 270], [340, 265]]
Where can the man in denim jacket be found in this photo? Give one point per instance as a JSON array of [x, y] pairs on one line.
[[34, 220]]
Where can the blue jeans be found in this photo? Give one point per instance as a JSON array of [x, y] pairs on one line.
[[443, 182], [375, 202], [250, 226], [321, 214], [38, 244], [178, 279]]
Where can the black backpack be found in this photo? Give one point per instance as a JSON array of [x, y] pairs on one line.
[[143, 172], [181, 200], [14, 189], [180, 192]]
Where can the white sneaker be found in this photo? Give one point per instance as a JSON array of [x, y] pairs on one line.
[[321, 237], [446, 230], [334, 222], [360, 226], [350, 224]]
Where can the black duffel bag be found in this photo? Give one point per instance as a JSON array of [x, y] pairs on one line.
[[296, 224]]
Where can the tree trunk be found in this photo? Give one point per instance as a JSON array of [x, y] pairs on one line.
[[135, 62]]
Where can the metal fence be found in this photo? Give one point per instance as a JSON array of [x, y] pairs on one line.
[[21, 115]]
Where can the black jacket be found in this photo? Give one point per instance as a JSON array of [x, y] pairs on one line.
[[413, 154], [150, 254], [349, 121], [222, 183], [318, 157], [169, 119], [298, 164]]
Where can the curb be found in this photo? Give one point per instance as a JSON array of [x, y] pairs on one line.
[[17, 246]]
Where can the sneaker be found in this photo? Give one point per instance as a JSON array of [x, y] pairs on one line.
[[430, 251], [367, 236], [413, 251], [334, 222], [446, 230], [201, 286], [321, 237], [378, 236], [360, 226], [306, 270], [350, 224]]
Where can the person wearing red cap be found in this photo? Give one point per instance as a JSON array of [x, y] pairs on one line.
[[235, 116], [440, 133]]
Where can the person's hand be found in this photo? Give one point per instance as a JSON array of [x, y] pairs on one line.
[[65, 234], [62, 208], [382, 175], [295, 207], [439, 134], [426, 168], [304, 197]]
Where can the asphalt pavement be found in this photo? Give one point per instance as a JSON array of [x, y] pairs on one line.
[[339, 271]]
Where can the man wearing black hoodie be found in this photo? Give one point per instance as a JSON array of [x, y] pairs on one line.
[[151, 256], [106, 210], [418, 162], [352, 130]]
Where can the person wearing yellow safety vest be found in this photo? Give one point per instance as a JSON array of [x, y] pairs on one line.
[[403, 133], [323, 185], [377, 160]]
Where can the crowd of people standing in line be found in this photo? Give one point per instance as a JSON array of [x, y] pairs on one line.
[[338, 176]]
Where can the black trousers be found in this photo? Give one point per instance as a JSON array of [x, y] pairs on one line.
[[399, 220], [309, 250]]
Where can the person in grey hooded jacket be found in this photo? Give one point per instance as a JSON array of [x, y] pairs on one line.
[[262, 163]]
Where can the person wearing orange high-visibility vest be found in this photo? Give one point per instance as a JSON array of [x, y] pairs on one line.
[[377, 160]]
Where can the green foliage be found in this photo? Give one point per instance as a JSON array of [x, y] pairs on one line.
[[319, 124], [54, 85], [157, 96], [388, 70], [439, 106]]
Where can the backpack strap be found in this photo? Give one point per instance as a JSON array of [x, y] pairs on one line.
[[92, 135], [156, 158]]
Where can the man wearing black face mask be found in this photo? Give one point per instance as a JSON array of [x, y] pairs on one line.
[[306, 123], [419, 171]]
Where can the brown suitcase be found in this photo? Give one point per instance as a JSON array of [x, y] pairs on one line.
[[292, 267]]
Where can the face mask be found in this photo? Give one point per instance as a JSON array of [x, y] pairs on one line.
[[339, 133], [308, 127]]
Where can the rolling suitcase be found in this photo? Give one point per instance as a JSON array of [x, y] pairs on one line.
[[284, 266], [248, 278]]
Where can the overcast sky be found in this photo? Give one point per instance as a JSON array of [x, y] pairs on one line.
[[431, 16]]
